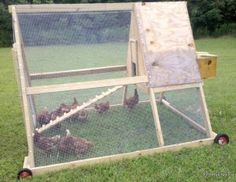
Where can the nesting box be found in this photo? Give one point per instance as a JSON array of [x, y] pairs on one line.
[[207, 65], [102, 82]]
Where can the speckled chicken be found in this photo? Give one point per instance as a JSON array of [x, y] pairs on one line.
[[102, 107], [131, 102], [47, 144]]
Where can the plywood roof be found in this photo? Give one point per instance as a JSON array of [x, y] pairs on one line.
[[167, 42]]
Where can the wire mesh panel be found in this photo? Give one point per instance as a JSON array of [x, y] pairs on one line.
[[74, 40], [107, 126], [178, 112]]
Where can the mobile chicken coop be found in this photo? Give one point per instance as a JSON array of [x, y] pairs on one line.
[[102, 82]]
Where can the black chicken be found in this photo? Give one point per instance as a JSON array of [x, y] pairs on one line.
[[131, 102]]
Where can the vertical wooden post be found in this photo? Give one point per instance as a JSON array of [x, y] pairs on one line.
[[124, 94], [156, 118], [28, 123], [207, 122]]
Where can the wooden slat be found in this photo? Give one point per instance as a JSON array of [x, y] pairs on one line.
[[187, 119], [77, 72], [86, 85], [207, 122], [176, 87], [25, 104], [106, 159], [72, 7], [156, 118]]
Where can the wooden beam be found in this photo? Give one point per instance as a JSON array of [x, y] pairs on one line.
[[176, 87], [207, 122], [72, 7], [106, 159], [25, 104], [185, 117], [86, 85], [77, 72], [156, 118]]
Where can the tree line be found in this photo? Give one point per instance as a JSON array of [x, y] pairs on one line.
[[208, 17]]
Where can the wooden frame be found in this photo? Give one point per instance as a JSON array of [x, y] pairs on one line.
[[156, 118], [72, 7], [140, 80], [25, 104], [87, 71], [86, 85], [130, 155]]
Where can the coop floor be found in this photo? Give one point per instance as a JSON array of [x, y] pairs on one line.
[[120, 131]]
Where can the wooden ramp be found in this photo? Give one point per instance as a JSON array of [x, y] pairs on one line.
[[79, 108]]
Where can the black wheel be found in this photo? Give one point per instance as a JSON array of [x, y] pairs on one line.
[[221, 139], [24, 173]]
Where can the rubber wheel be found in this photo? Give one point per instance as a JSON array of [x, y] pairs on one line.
[[222, 139], [24, 173]]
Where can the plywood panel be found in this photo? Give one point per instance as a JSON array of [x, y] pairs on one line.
[[167, 42]]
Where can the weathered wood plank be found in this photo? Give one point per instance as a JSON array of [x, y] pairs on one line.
[[86, 85], [87, 71], [156, 118], [25, 104], [106, 159], [72, 7]]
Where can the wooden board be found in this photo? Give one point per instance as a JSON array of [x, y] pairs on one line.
[[86, 71], [71, 7], [106, 159], [25, 104], [156, 118], [167, 43], [86, 85]]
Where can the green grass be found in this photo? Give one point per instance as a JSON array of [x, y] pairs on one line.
[[211, 163]]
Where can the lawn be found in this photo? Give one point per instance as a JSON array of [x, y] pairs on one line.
[[211, 163]]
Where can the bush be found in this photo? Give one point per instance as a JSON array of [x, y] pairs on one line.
[[5, 27]]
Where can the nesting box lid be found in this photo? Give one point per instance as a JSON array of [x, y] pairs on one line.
[[167, 43]]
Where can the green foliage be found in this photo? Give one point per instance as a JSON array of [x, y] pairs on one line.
[[208, 17], [5, 27]]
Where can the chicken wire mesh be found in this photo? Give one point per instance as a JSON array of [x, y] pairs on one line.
[[110, 125], [105, 127], [74, 40], [175, 127], [107, 124]]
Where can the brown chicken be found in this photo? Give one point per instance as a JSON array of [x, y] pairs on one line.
[[82, 115], [47, 144], [131, 102], [64, 108], [43, 118], [75, 104], [102, 107], [74, 145]]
